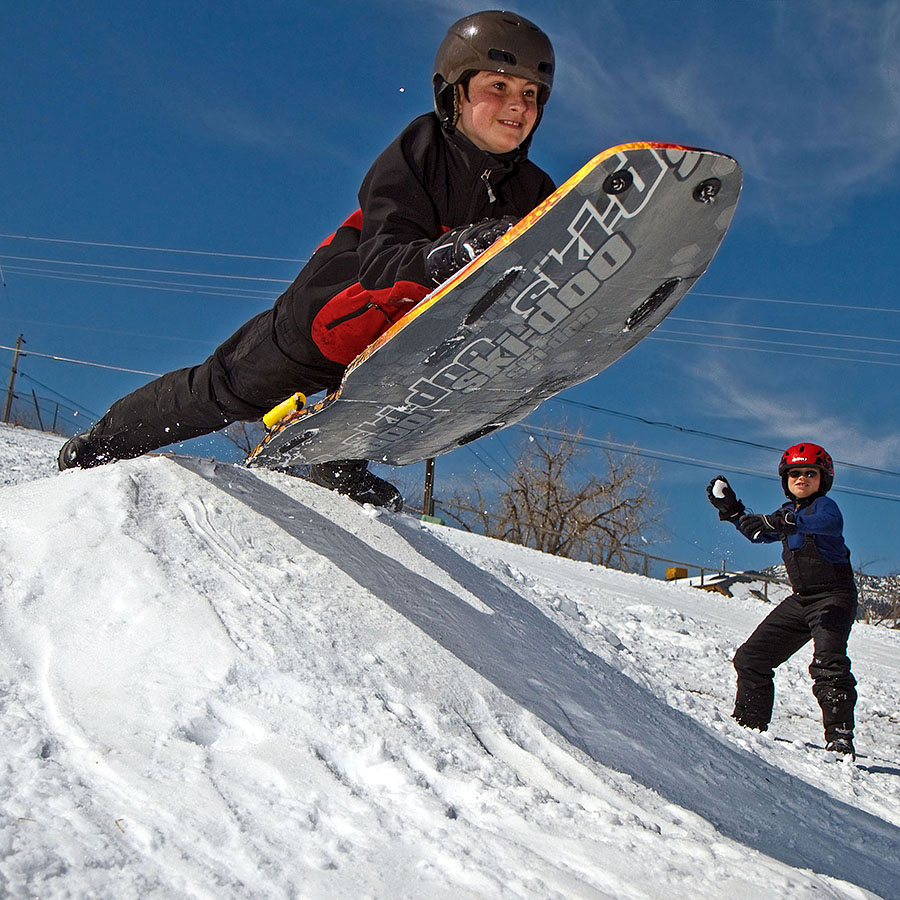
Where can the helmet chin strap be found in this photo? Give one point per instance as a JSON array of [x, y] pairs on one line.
[[445, 96]]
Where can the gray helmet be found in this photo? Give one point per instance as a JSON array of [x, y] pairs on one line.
[[490, 41]]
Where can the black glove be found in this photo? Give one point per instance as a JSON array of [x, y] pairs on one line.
[[780, 522], [460, 246], [723, 498]]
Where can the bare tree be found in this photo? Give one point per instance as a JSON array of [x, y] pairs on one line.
[[547, 505], [244, 435]]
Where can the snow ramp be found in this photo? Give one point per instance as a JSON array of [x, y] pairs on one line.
[[588, 702]]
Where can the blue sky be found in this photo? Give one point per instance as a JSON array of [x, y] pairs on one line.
[[244, 129]]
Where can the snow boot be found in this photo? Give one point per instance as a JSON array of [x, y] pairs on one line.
[[756, 723], [843, 746], [353, 478], [753, 706], [82, 452], [839, 739]]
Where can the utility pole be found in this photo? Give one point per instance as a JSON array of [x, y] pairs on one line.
[[429, 487], [37, 409], [12, 379]]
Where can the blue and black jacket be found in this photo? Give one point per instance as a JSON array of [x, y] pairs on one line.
[[815, 555]]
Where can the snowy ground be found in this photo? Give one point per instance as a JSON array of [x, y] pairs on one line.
[[224, 684]]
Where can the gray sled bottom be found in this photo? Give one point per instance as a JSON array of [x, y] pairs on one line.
[[571, 289]]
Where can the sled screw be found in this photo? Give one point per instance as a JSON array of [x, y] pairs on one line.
[[618, 182], [706, 191]]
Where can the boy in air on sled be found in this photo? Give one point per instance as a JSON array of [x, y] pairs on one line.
[[452, 182], [822, 607]]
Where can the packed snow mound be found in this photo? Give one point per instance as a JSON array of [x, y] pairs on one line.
[[230, 684], [26, 454]]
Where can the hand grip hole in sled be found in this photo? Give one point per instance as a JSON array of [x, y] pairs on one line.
[[652, 303], [491, 296], [480, 433]]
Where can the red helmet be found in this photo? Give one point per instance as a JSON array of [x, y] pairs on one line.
[[807, 455]]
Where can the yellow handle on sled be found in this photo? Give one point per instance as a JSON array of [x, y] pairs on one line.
[[286, 407]]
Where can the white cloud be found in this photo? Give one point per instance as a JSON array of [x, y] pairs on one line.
[[805, 94], [781, 417]]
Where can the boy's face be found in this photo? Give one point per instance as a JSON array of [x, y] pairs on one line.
[[803, 481], [499, 112]]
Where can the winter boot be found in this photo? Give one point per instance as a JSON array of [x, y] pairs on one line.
[[749, 720], [753, 705], [353, 478], [842, 745], [82, 452], [839, 739]]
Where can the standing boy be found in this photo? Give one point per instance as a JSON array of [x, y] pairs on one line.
[[454, 181], [822, 606]]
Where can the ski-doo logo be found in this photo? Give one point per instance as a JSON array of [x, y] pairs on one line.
[[542, 305], [543, 310]]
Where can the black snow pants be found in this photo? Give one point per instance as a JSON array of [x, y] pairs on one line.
[[264, 362], [826, 619]]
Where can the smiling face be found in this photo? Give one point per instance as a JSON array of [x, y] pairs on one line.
[[499, 112], [803, 481]]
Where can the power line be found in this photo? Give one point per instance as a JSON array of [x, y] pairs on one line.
[[613, 446], [816, 303], [150, 284], [115, 331], [238, 292], [844, 359], [241, 293], [777, 343], [261, 295], [498, 472], [258, 296], [705, 434], [82, 362], [87, 265], [690, 461], [724, 324], [222, 254], [48, 240], [74, 404], [120, 280]]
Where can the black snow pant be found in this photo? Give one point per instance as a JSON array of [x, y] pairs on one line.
[[264, 362], [827, 620]]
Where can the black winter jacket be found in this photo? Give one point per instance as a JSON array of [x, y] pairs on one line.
[[373, 269]]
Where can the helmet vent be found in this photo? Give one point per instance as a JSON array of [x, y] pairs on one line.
[[502, 56]]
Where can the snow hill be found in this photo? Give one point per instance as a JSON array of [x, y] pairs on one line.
[[217, 683]]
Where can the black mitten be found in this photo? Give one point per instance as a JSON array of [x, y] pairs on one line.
[[723, 498], [460, 246], [780, 522]]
